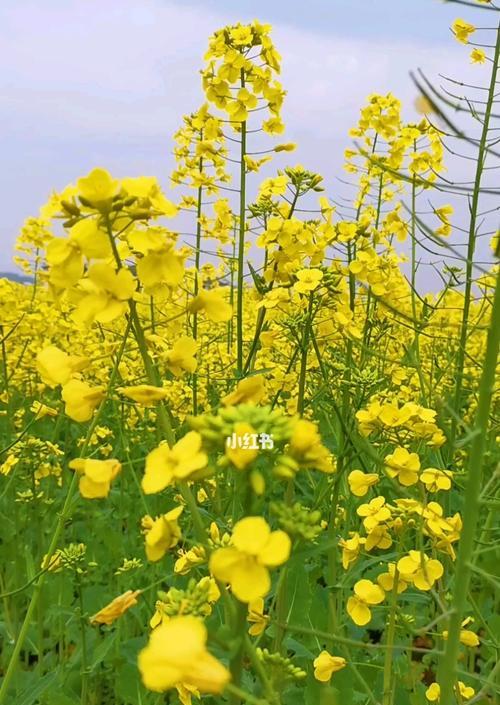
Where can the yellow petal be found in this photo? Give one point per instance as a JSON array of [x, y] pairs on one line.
[[407, 565], [158, 473], [277, 549], [369, 592], [249, 580], [251, 535], [208, 675], [358, 611], [93, 490], [223, 562]]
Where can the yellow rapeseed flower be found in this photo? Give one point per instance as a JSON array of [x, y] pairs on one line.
[[244, 565], [274, 126], [98, 188], [351, 549], [148, 191], [40, 410], [241, 35], [285, 147], [478, 56], [239, 106], [465, 691], [56, 367], [366, 593], [467, 637], [420, 570], [181, 358], [195, 556], [95, 476], [145, 394], [462, 30], [104, 294], [433, 692], [256, 617], [66, 255], [378, 537], [435, 479], [306, 447], [308, 280], [374, 513], [360, 482], [10, 462], [240, 456], [165, 465], [117, 607], [81, 399], [177, 654], [387, 580], [162, 533], [325, 665], [212, 303], [403, 465], [249, 390]]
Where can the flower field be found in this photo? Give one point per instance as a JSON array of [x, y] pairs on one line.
[[245, 455]]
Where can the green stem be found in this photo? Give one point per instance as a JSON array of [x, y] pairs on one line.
[[39, 618], [387, 695], [281, 605], [474, 208], [240, 694], [263, 311], [370, 310], [189, 498], [84, 671], [151, 371], [261, 317], [5, 386], [152, 374], [241, 244], [236, 665], [332, 561], [471, 502], [230, 323], [303, 357], [260, 671], [345, 641], [416, 325], [197, 257]]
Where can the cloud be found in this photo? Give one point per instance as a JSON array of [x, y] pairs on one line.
[[94, 67], [88, 82], [129, 68]]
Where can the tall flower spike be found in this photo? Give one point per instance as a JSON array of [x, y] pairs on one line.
[[242, 64]]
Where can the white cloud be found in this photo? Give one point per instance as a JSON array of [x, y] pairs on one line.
[[120, 72], [120, 66]]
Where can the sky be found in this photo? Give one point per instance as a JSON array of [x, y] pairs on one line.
[[88, 83]]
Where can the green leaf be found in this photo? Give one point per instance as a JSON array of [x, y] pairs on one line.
[[299, 595], [34, 691], [261, 371], [128, 685], [257, 280], [102, 650], [55, 697]]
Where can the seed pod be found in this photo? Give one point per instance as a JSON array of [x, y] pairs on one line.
[[69, 223], [70, 207]]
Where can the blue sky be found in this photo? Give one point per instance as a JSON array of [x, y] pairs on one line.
[[379, 19], [105, 82]]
